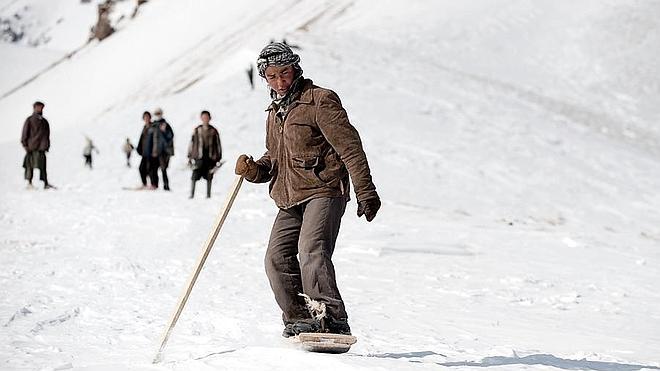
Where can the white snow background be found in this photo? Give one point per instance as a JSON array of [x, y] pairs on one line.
[[515, 145]]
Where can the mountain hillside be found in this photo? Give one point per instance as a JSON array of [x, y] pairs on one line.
[[514, 144]]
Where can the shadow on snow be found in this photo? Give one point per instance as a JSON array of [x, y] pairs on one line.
[[552, 361], [535, 359]]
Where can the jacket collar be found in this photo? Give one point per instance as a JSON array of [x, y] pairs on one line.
[[201, 126], [305, 96]]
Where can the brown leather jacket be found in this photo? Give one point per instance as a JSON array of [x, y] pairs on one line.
[[311, 152], [36, 133]]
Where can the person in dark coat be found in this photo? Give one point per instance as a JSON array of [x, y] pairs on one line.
[[311, 149], [250, 74], [168, 136], [149, 163], [204, 152], [36, 142]]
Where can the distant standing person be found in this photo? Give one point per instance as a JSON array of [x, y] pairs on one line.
[[168, 134], [87, 152], [250, 74], [36, 142], [204, 152], [149, 163], [128, 150]]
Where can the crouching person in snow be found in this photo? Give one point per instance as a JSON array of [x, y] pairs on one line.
[[36, 142], [204, 152], [311, 148]]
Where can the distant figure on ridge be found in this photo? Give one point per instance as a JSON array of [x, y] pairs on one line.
[[102, 29], [168, 145], [204, 153], [292, 46], [36, 142], [250, 73]]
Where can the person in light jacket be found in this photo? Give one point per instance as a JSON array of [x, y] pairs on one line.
[[204, 153]]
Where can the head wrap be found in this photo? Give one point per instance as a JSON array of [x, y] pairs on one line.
[[279, 55]]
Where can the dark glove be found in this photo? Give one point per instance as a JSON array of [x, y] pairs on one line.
[[368, 208], [246, 167]]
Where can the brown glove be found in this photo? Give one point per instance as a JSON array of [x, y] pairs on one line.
[[245, 166], [368, 208]]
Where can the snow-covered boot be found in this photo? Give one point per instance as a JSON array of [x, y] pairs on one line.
[[298, 327], [336, 326]]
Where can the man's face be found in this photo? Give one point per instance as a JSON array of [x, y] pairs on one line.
[[146, 118], [39, 109], [205, 118], [280, 78]]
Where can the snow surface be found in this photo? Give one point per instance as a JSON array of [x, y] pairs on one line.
[[515, 146]]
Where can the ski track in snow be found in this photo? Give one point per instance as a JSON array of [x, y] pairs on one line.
[[519, 227]]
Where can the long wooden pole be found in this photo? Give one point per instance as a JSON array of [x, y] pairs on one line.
[[200, 263]]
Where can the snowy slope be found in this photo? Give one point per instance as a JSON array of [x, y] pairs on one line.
[[57, 25], [514, 145]]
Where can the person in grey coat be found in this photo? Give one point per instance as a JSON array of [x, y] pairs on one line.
[[168, 145], [36, 142]]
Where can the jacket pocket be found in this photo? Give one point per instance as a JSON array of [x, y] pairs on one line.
[[327, 171], [305, 169], [306, 163]]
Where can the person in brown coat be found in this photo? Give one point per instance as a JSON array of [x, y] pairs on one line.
[[36, 142], [204, 152], [311, 149]]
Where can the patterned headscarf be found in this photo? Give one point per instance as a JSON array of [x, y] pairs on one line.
[[277, 54]]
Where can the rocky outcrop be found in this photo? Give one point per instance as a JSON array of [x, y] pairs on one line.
[[103, 28]]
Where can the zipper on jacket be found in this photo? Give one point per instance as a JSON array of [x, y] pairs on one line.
[[283, 154]]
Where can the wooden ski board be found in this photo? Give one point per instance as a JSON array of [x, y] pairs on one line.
[[326, 343]]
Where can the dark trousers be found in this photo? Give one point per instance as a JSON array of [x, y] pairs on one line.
[[88, 160], [35, 160], [153, 171], [202, 169], [309, 231], [208, 188], [144, 170], [164, 163]]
